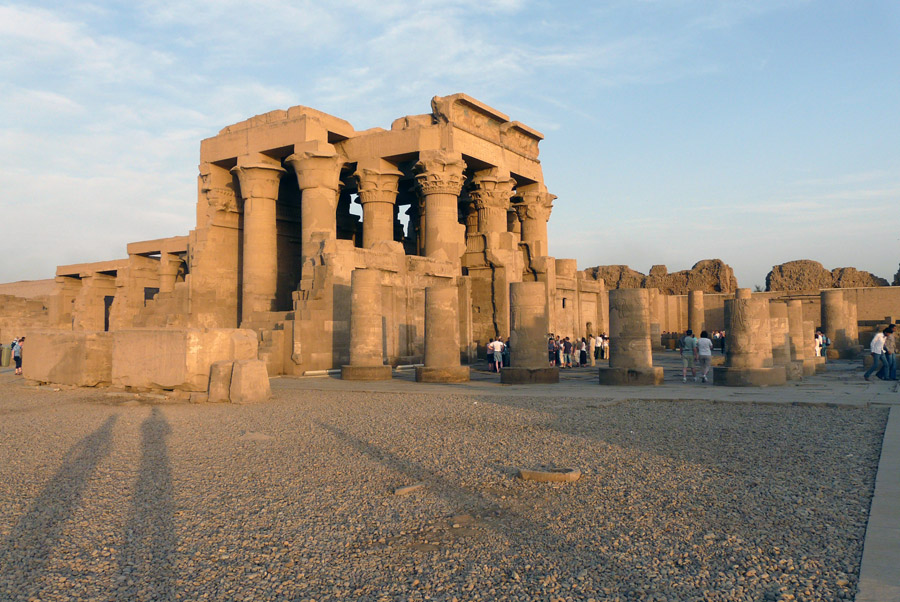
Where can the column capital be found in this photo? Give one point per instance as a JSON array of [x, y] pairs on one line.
[[492, 189], [258, 180], [534, 204], [440, 172], [377, 186], [317, 166]]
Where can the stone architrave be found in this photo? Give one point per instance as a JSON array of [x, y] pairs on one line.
[[366, 353], [259, 188], [533, 207], [529, 326], [442, 337], [799, 352], [781, 340], [696, 312], [440, 180], [377, 195], [630, 353], [318, 170], [748, 361]]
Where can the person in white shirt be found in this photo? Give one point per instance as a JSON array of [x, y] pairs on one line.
[[496, 347], [879, 362], [592, 348], [704, 354]]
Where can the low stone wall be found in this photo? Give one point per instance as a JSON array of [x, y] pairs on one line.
[[176, 358], [81, 358]]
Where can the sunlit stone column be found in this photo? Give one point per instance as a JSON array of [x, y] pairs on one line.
[[168, 271], [259, 188], [630, 356], [696, 312], [366, 345], [834, 321], [377, 195], [491, 191], [533, 206], [799, 352], [748, 362], [318, 170], [440, 180], [529, 325], [442, 337]]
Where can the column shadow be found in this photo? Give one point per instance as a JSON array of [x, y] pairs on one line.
[[30, 544], [147, 561]]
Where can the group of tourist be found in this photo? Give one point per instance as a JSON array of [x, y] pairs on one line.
[[696, 351], [884, 361], [17, 345], [565, 353], [821, 343]]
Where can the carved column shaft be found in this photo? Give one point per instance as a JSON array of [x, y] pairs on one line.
[[440, 180], [259, 188], [377, 195]]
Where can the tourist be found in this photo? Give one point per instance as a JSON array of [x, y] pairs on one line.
[[820, 344], [567, 353], [551, 350], [890, 344], [559, 352], [688, 355], [604, 350], [496, 347], [582, 353], [704, 354], [878, 360], [505, 353], [17, 353]]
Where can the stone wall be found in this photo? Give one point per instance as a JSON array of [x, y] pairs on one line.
[[805, 275], [708, 275]]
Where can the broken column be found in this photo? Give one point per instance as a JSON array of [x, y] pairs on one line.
[[366, 346], [440, 179], [748, 362], [630, 357], [799, 351], [781, 340], [259, 188], [442, 337], [529, 325], [696, 312]]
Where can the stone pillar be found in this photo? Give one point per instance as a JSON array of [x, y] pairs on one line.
[[799, 352], [377, 195], [490, 193], [809, 342], [168, 271], [318, 170], [529, 326], [442, 337], [440, 179], [533, 206], [781, 340], [696, 312], [366, 354], [630, 356], [259, 189], [748, 362], [834, 322], [655, 320]]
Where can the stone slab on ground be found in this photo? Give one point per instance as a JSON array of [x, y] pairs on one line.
[[80, 358]]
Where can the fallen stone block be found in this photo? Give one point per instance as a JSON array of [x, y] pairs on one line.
[[220, 382], [250, 382]]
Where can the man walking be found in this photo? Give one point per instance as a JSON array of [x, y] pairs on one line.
[[689, 353], [878, 359]]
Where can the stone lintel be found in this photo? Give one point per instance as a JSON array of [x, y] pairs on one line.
[[174, 244], [81, 270]]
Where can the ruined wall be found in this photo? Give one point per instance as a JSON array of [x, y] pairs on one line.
[[805, 275], [708, 275], [18, 314]]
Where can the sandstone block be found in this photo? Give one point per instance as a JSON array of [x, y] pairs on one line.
[[629, 377], [220, 381], [81, 358], [529, 376], [249, 382], [749, 377], [448, 374], [366, 372], [176, 358]]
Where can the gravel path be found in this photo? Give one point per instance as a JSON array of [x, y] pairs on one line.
[[104, 498]]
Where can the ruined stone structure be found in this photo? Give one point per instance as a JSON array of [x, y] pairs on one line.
[[749, 360], [530, 321], [805, 274], [631, 359], [708, 275]]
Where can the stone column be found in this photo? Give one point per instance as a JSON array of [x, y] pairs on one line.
[[318, 170], [440, 179], [781, 340], [696, 312], [168, 271], [259, 188], [799, 352], [834, 322], [533, 206], [809, 342], [529, 326], [377, 195], [366, 354], [630, 356], [748, 362], [655, 324], [442, 337], [490, 193]]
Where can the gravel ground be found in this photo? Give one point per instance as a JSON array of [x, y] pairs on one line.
[[105, 498]]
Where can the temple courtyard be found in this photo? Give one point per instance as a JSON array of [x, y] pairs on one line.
[[400, 490]]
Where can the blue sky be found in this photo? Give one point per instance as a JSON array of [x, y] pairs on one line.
[[757, 132]]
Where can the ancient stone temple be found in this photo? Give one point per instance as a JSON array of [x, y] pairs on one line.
[[291, 202]]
